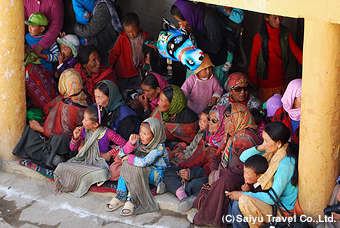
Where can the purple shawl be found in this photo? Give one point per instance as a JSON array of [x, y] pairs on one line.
[[193, 14]]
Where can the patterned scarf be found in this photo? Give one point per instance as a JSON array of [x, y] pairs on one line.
[[240, 120], [216, 139], [114, 16], [178, 103], [71, 86]]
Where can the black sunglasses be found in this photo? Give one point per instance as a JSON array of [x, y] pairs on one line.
[[239, 89], [229, 114], [212, 120]]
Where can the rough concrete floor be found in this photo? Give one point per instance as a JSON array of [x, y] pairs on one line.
[[27, 202]]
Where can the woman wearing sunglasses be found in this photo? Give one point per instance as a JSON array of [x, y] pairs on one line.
[[227, 169], [237, 87]]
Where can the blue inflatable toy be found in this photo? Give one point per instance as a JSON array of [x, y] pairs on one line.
[[179, 46]]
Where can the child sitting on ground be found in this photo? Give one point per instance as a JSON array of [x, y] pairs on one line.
[[254, 168], [202, 88], [127, 55], [37, 23], [89, 166], [146, 166], [92, 121], [69, 46]]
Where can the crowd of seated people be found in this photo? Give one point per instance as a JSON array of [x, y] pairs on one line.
[[211, 142]]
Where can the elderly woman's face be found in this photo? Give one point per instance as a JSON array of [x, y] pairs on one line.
[[163, 103], [101, 98], [93, 65], [240, 92], [213, 122]]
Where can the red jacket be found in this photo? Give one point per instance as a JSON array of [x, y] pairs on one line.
[[275, 71], [121, 57]]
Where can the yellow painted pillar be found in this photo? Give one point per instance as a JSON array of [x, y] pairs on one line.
[[12, 78], [320, 116]]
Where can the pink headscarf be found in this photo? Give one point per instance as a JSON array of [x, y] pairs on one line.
[[162, 84], [293, 91]]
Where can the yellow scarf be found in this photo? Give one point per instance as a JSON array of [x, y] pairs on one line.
[[266, 180]]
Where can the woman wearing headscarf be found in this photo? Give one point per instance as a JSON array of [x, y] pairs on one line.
[[179, 120], [122, 119], [47, 144], [209, 31], [92, 70], [290, 112], [186, 180], [281, 177], [227, 168], [152, 85], [238, 86], [145, 166]]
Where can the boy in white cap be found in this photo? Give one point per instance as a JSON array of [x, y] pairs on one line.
[[69, 46], [37, 23]]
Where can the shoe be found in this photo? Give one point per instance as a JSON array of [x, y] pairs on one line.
[[128, 209], [191, 216], [113, 205], [185, 204], [161, 188]]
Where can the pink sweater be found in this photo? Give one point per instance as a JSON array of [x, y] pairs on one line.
[[54, 11], [199, 92]]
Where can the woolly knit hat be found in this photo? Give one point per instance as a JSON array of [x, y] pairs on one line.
[[70, 41], [205, 64], [273, 104]]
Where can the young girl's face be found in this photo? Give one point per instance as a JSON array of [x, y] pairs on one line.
[[250, 177], [205, 73], [203, 121], [66, 51], [145, 134], [274, 21], [101, 98], [88, 123]]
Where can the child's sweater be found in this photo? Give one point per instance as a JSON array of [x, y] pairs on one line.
[[199, 92], [157, 158], [70, 62], [52, 53], [106, 136]]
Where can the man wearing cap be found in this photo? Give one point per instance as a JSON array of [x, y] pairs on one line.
[[54, 12]]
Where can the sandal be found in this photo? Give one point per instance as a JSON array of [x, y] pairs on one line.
[[113, 205], [128, 209]]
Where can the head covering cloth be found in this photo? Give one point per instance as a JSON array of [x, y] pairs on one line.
[[177, 104], [115, 98], [293, 91], [71, 85], [162, 84], [240, 120], [192, 13]]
